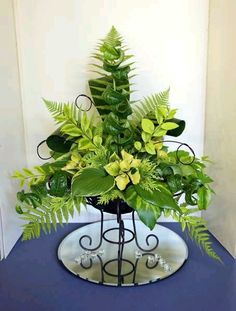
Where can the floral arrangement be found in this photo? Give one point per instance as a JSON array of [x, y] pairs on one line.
[[116, 151]]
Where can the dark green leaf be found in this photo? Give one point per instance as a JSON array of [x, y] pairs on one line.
[[112, 97], [174, 182], [58, 184]]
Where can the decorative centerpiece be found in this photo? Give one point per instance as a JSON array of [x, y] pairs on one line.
[[113, 154]]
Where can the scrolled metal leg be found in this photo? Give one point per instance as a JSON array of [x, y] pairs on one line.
[[82, 238], [147, 238]]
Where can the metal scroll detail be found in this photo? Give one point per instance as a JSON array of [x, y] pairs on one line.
[[94, 251]]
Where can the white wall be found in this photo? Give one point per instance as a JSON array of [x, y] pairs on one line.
[[12, 152], [220, 120], [56, 38]]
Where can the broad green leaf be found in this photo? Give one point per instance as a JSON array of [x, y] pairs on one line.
[[147, 212], [91, 182], [169, 126], [148, 126], [203, 198], [174, 182], [161, 197]]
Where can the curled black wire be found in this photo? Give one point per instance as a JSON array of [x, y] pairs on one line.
[[178, 149], [38, 154], [80, 107]]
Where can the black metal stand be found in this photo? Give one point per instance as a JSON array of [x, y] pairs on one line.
[[120, 242]]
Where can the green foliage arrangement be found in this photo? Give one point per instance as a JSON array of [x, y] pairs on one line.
[[118, 152]]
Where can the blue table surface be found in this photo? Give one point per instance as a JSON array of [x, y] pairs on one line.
[[32, 278]]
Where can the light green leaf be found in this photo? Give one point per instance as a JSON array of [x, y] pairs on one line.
[[97, 140], [85, 143], [146, 137], [71, 130], [112, 168], [84, 122], [148, 126], [169, 126], [91, 182], [137, 145], [150, 148], [187, 170], [159, 132], [203, 198], [171, 114], [27, 172]]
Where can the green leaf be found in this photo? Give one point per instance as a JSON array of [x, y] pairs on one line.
[[58, 184], [85, 143], [59, 144], [148, 126], [97, 140], [91, 182], [150, 148], [161, 197], [187, 170], [203, 198], [147, 212], [71, 130], [171, 114], [112, 97], [137, 145], [159, 132], [174, 182], [169, 126], [85, 122], [146, 137], [27, 172], [19, 209]]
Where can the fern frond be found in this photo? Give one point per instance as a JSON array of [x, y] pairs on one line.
[[62, 112], [53, 211], [110, 196], [113, 37], [148, 105], [198, 232]]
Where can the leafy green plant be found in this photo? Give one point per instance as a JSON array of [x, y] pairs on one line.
[[118, 152]]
